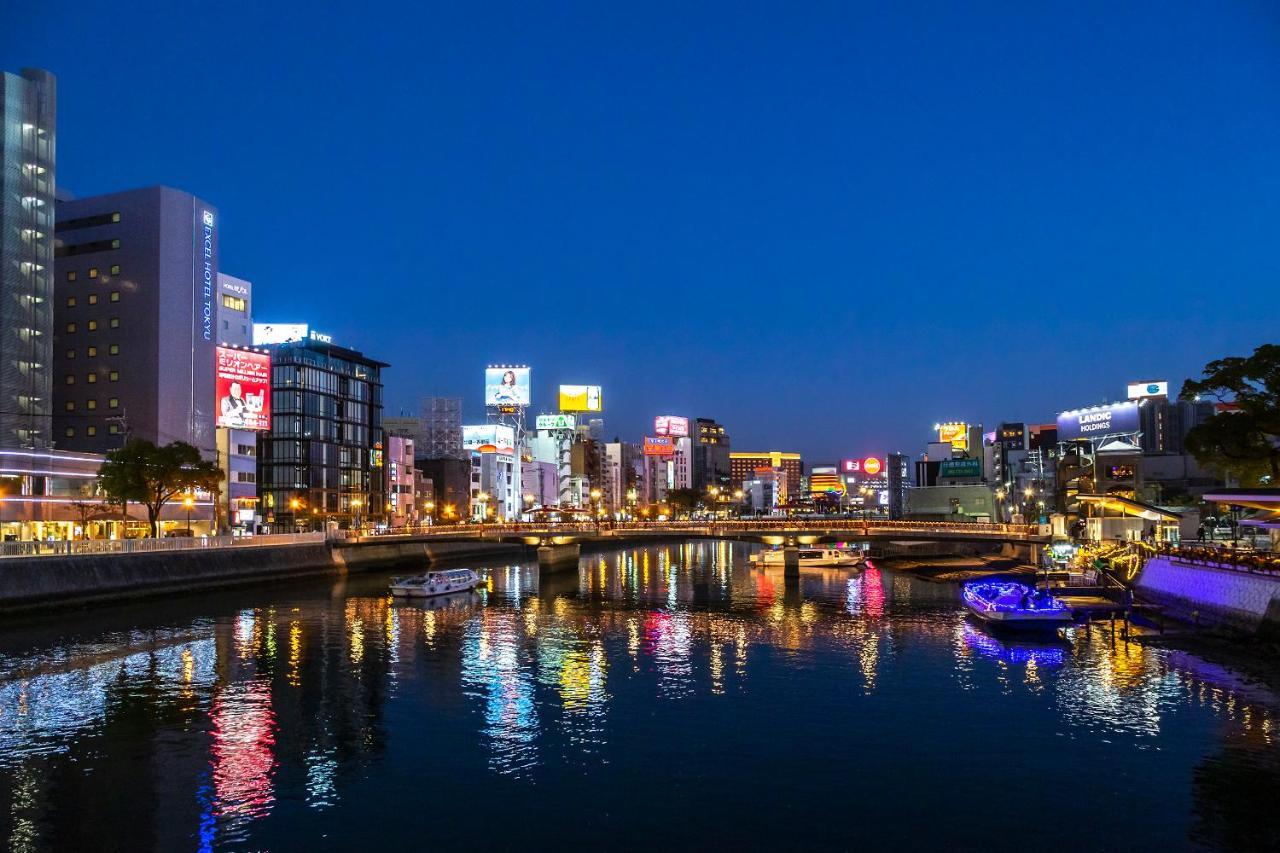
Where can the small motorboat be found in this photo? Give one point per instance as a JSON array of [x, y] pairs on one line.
[[441, 582], [811, 558], [1014, 605]]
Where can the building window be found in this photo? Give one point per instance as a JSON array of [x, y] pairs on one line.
[[71, 353], [93, 430], [92, 352], [71, 327], [93, 298], [113, 429], [115, 322], [115, 269], [70, 433], [113, 403], [114, 376], [115, 244], [93, 325], [70, 405], [115, 296], [91, 405], [71, 379], [114, 349], [71, 275], [71, 302], [115, 217], [93, 272], [235, 303], [91, 378]]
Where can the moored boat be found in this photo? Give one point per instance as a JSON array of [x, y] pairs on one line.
[[1014, 605], [815, 558], [442, 582]]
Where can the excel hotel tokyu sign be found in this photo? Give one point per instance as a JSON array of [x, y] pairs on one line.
[[1097, 421], [206, 273]]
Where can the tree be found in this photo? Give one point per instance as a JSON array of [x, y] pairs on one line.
[[1244, 442], [683, 500], [153, 476]]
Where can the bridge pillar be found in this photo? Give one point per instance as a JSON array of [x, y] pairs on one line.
[[790, 565], [558, 556]]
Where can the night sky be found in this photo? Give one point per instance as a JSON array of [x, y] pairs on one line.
[[827, 228]]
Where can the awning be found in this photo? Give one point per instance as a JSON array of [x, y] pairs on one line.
[[1263, 499], [1128, 506]]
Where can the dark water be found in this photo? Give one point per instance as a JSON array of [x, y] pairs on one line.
[[662, 698]]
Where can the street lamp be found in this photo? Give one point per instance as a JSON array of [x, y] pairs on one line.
[[430, 507], [189, 502], [355, 513], [482, 498]]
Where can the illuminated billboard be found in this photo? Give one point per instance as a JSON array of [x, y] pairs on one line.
[[870, 466], [242, 386], [671, 425], [954, 433], [581, 398], [500, 436], [961, 469], [555, 422], [278, 333], [825, 481], [659, 445], [506, 386], [1113, 419], [1154, 388]]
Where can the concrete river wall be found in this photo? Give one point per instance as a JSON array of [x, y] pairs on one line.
[[1214, 596], [51, 581]]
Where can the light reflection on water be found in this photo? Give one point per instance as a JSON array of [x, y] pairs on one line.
[[324, 708]]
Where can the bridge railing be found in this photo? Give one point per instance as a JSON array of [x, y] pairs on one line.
[[706, 527], [64, 547]]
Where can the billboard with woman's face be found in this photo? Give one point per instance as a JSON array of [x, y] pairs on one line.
[[242, 385], [506, 386]]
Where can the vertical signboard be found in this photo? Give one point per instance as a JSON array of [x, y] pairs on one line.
[[242, 385]]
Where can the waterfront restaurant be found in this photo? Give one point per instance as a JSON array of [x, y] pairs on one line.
[[1112, 517], [1265, 504], [51, 495]]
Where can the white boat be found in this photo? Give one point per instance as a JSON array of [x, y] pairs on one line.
[[1014, 605], [811, 558], [440, 582]]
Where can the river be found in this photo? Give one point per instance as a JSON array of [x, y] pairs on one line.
[[661, 697]]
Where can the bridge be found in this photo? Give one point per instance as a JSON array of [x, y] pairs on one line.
[[560, 543]]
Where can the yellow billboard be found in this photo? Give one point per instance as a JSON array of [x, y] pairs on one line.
[[956, 434], [581, 398]]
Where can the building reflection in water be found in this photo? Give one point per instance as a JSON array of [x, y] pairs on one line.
[[277, 707]]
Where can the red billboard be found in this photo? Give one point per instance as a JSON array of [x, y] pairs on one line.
[[659, 445], [671, 425], [243, 387]]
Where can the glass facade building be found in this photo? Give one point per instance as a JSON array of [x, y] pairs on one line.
[[323, 459], [28, 146]]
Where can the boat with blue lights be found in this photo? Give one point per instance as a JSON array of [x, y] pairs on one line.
[[1014, 605]]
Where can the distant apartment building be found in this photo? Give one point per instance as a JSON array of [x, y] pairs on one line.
[[135, 320], [710, 455], [746, 466]]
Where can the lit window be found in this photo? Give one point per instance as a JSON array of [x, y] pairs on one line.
[[71, 431], [71, 327], [115, 322], [71, 353], [115, 296], [113, 429], [91, 378], [113, 403], [115, 269], [235, 303], [71, 275], [91, 405], [71, 380], [93, 272], [93, 430], [114, 376], [93, 351], [71, 302], [93, 299], [93, 325], [115, 217], [70, 406], [115, 244], [114, 349]]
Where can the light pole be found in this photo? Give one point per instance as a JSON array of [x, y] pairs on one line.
[[189, 502], [430, 507], [595, 499], [483, 499], [355, 514], [631, 504]]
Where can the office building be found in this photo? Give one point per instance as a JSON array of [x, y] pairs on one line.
[[746, 466], [28, 147], [135, 320], [710, 455], [323, 458]]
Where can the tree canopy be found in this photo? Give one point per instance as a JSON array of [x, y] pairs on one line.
[[142, 472], [1243, 442]]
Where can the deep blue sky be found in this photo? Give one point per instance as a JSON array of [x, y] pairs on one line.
[[827, 227]]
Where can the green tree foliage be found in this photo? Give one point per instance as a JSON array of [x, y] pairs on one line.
[[683, 500], [141, 472], [1243, 443]]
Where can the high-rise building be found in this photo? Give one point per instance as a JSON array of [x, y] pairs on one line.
[[710, 455], [324, 455], [744, 466], [898, 474], [237, 448], [135, 320], [28, 147]]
